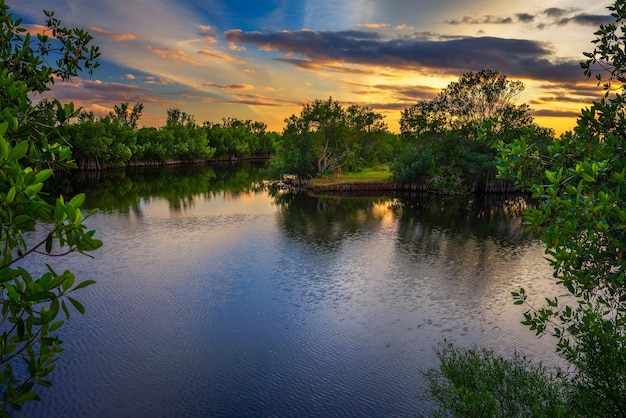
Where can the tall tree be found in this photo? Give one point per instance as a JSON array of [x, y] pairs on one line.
[[465, 105], [126, 115], [324, 137]]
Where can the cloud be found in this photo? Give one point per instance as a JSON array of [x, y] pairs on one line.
[[230, 86], [564, 113], [172, 54], [455, 55], [525, 17], [129, 76], [88, 92], [253, 100], [373, 25], [34, 29], [158, 81], [488, 19], [207, 33], [556, 12], [118, 37], [586, 20], [217, 55]]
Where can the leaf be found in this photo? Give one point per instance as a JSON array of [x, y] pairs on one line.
[[77, 305], [43, 175], [4, 146], [78, 200], [84, 284], [59, 210], [18, 151], [12, 293], [40, 296], [49, 242], [11, 194]]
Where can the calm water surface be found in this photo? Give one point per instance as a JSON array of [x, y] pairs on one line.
[[214, 300]]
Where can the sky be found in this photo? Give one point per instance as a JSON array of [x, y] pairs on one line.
[[263, 60]]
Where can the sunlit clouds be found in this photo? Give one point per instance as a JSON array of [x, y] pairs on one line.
[[264, 60]]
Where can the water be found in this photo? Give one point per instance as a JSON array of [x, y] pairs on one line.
[[214, 300]]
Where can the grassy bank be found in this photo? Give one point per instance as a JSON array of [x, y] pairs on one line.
[[380, 174]]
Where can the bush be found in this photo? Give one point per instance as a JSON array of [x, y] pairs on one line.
[[475, 382]]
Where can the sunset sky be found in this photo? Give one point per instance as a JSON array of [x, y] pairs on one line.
[[262, 60]]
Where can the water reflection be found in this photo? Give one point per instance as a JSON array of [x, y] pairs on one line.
[[215, 298], [124, 190]]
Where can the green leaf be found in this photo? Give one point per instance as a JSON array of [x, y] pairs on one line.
[[40, 296], [18, 151], [4, 146], [78, 200], [43, 175], [59, 210], [84, 284], [77, 305], [12, 292], [11, 194]]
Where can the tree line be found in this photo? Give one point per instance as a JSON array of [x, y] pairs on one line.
[[446, 143], [115, 140]]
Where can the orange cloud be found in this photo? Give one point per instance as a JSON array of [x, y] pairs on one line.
[[230, 86], [206, 33], [171, 54], [119, 37], [34, 29], [217, 55], [373, 25]]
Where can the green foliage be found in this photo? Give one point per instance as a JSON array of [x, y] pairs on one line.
[[580, 180], [237, 139], [125, 115], [33, 308], [448, 140], [477, 383], [465, 105], [327, 137]]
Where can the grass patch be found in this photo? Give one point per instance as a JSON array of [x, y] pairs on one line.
[[379, 174]]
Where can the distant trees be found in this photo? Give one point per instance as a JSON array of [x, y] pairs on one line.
[[115, 141], [235, 139], [326, 137], [448, 140]]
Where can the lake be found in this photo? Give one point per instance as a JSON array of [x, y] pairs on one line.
[[218, 299]]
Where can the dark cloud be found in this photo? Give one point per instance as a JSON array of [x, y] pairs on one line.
[[587, 20], [556, 113], [229, 86], [401, 93], [253, 100], [525, 17], [514, 57], [107, 93], [488, 19], [556, 12]]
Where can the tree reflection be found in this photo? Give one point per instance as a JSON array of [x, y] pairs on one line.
[[426, 222], [479, 232], [325, 220], [123, 190]]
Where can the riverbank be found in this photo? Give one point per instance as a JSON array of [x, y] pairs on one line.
[[380, 179]]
